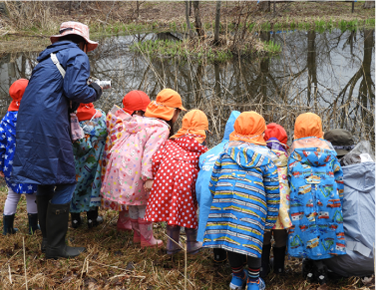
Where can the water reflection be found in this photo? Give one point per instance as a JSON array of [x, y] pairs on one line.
[[330, 73]]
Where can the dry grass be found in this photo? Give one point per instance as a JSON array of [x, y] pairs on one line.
[[113, 262]]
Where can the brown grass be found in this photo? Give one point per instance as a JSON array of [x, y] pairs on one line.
[[113, 262]]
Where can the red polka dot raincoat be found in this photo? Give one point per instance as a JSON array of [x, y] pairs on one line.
[[175, 169]]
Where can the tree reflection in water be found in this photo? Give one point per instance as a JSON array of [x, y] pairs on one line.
[[331, 74]]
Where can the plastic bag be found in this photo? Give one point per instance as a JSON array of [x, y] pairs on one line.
[[362, 152], [76, 130]]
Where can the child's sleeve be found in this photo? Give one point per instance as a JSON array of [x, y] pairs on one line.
[[338, 177], [271, 185], [156, 139], [3, 144], [156, 160], [215, 175]]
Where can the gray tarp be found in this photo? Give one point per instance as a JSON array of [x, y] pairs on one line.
[[358, 221]]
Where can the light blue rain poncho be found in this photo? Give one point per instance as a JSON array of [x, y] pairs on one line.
[[206, 163]]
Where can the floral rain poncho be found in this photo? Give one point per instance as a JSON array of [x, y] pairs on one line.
[[88, 161]]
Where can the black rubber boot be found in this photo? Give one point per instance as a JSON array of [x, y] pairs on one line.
[[33, 223], [265, 264], [57, 227], [8, 221], [220, 255], [76, 220], [93, 219], [42, 205], [321, 272], [279, 260], [308, 270]]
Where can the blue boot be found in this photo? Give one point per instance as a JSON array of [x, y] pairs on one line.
[[259, 285], [8, 221], [238, 283]]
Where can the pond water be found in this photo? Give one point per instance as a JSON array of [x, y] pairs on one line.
[[329, 73]]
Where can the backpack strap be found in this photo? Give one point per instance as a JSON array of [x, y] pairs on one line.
[[57, 63]]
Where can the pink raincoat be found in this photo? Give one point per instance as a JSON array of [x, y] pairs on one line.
[[128, 162]]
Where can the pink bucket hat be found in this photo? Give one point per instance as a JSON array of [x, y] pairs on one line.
[[72, 27]]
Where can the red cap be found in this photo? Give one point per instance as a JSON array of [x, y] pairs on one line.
[[135, 101], [87, 111], [276, 131], [16, 92]]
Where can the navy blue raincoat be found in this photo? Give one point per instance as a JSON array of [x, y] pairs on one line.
[[44, 153]]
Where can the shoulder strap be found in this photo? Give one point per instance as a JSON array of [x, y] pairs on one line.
[[57, 63]]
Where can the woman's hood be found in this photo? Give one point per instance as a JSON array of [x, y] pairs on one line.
[[360, 177]]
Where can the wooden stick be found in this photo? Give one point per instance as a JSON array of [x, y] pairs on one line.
[[10, 274], [23, 241]]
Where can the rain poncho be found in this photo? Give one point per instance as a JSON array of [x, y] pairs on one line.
[[173, 195], [358, 222], [129, 162], [88, 160], [7, 147], [246, 199], [316, 192], [206, 163]]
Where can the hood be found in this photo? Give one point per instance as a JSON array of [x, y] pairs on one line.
[[360, 177], [139, 123], [313, 156], [10, 121], [248, 155], [282, 158], [190, 144], [53, 48], [230, 125]]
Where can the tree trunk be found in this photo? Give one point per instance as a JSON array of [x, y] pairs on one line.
[[189, 31], [217, 23], [369, 4], [264, 5], [312, 67], [200, 31]]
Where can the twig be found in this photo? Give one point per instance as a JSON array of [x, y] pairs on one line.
[[116, 267], [23, 241], [10, 274]]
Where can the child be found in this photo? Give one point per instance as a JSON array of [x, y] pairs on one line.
[[175, 168], [88, 155], [128, 175], [134, 103], [246, 200], [203, 195], [7, 146], [316, 185], [276, 140]]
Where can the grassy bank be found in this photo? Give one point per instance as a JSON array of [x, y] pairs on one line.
[[112, 261]]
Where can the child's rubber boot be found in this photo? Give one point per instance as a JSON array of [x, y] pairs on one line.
[[238, 283], [192, 245], [93, 219], [33, 223], [265, 263], [76, 220], [57, 227], [220, 255], [146, 232], [307, 270], [8, 221], [259, 285], [279, 260], [124, 221], [174, 233], [321, 272], [136, 231]]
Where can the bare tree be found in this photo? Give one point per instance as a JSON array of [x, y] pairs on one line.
[[189, 31], [369, 4], [264, 5], [198, 24], [217, 16]]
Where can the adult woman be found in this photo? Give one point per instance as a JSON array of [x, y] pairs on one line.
[[44, 154]]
